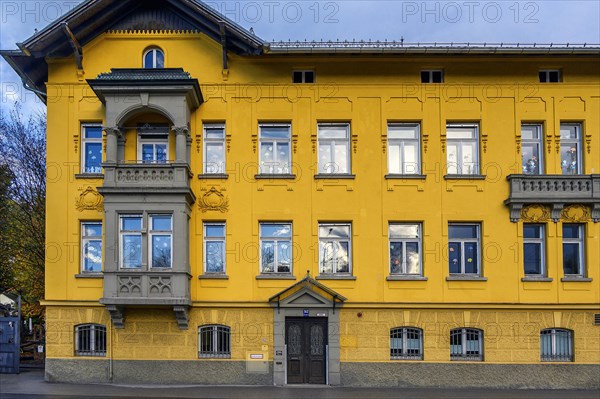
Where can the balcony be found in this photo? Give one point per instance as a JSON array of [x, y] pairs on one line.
[[555, 191], [147, 176]]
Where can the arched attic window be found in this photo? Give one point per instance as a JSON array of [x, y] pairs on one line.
[[154, 58]]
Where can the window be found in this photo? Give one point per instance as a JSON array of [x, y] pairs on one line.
[[405, 243], [275, 248], [570, 149], [153, 145], [214, 341], [463, 248], [275, 155], [214, 248], [91, 247], [154, 58], [556, 345], [432, 76], [550, 76], [131, 241], [303, 76], [532, 149], [161, 240], [462, 149], [90, 340], [214, 149], [406, 343], [334, 148], [404, 150], [466, 344], [91, 153], [573, 249], [534, 249], [334, 249]]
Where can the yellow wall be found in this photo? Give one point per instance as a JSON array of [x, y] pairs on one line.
[[499, 93]]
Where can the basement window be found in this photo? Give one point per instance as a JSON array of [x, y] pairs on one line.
[[90, 340], [303, 76]]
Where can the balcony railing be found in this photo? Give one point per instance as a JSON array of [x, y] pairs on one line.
[[147, 175], [554, 190]]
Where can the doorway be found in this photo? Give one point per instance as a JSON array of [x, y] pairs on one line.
[[306, 341]]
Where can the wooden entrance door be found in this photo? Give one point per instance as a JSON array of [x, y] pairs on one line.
[[306, 340]]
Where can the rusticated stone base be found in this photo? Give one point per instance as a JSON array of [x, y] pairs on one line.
[[475, 375], [161, 372]]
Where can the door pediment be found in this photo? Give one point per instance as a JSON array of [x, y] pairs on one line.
[[307, 293]]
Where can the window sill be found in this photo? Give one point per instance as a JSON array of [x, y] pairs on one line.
[[276, 277], [406, 277], [324, 176], [465, 177], [335, 277], [465, 277], [89, 176], [89, 275], [213, 176], [215, 276], [274, 176], [576, 279], [405, 177], [539, 279]]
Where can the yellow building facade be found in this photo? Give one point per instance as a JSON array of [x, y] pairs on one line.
[[223, 210]]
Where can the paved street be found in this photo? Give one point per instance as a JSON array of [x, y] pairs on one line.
[[31, 384]]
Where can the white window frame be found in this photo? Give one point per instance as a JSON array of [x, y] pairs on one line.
[[430, 73], [304, 72], [263, 169], [554, 356], [209, 239], [95, 348], [336, 241], [123, 232], [539, 142], [85, 141], [465, 333], [85, 239], [403, 241], [276, 242], [403, 332], [221, 169], [152, 233], [215, 330], [546, 75], [462, 242], [154, 141], [154, 51], [576, 142], [541, 242], [460, 143], [580, 241], [401, 142], [332, 142]]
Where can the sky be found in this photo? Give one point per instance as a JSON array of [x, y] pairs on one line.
[[510, 21]]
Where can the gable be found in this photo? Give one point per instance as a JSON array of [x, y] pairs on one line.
[[68, 34]]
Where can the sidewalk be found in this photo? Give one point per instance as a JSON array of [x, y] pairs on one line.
[[30, 383]]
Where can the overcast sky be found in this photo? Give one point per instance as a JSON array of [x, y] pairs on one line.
[[550, 21]]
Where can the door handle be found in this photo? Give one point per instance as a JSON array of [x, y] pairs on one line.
[[294, 358]]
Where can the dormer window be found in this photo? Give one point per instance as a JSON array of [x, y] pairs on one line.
[[154, 58]]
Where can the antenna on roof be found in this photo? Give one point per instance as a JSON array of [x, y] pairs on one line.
[[252, 30], [402, 40]]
